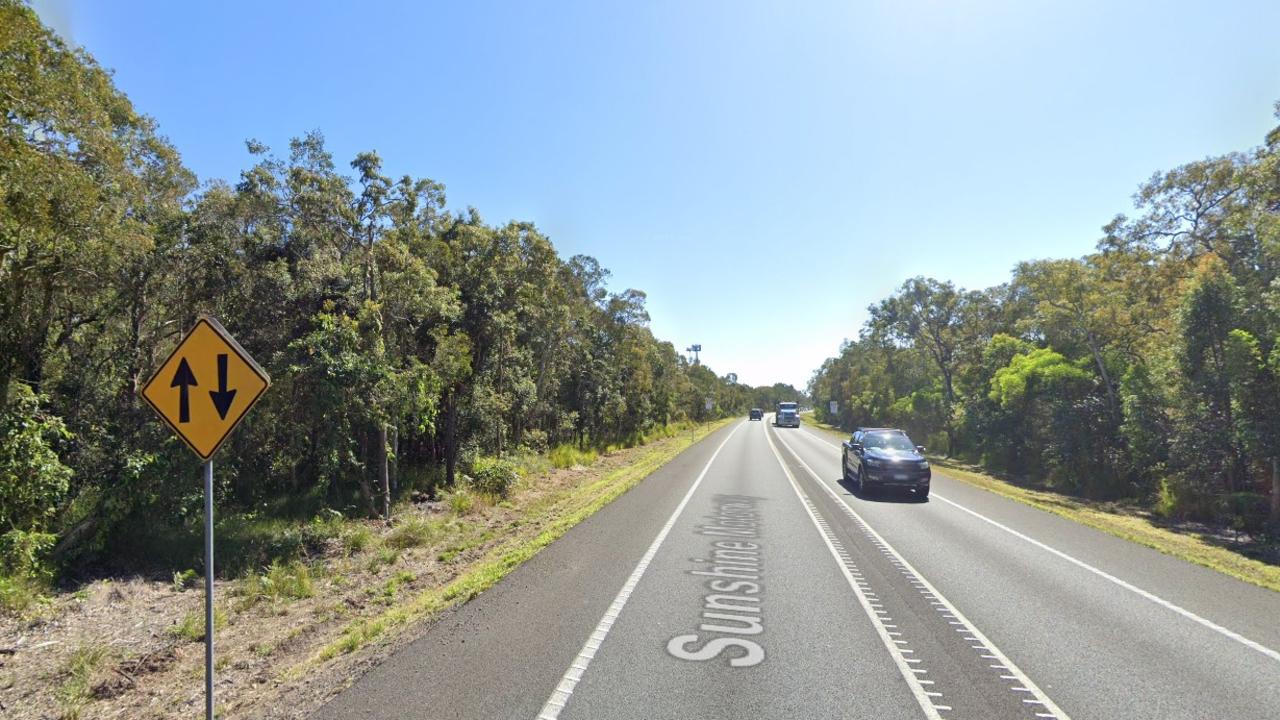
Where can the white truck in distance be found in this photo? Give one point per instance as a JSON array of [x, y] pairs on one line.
[[788, 415]]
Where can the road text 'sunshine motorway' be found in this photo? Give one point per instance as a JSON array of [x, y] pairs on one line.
[[734, 569]]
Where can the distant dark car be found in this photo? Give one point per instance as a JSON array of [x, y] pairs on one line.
[[756, 414], [885, 458]]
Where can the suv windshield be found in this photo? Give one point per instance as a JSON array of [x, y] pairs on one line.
[[887, 441]]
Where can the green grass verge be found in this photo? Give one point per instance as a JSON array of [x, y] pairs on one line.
[[1134, 528], [562, 513], [809, 419]]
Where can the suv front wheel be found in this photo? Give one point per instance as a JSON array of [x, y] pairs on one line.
[[854, 479]]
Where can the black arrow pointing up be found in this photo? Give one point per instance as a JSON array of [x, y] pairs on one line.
[[222, 397], [183, 379]]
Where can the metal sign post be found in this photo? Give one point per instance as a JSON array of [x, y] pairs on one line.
[[202, 392], [208, 589]]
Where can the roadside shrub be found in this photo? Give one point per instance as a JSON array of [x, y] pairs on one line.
[[357, 538], [24, 572], [191, 626], [535, 440], [461, 502], [25, 554], [324, 527], [1179, 498], [18, 594], [531, 464], [494, 477], [280, 581], [184, 580], [384, 556], [250, 541], [568, 455], [1246, 511], [420, 478], [662, 432], [412, 531], [33, 480]]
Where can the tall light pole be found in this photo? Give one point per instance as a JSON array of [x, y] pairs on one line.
[[695, 349]]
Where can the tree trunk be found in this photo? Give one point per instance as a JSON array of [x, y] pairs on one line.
[[450, 441], [1275, 494], [395, 451], [1112, 405], [366, 492], [386, 471]]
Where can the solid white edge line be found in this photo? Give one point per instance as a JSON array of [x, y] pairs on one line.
[[1233, 635], [560, 696], [921, 695], [952, 609], [1205, 622]]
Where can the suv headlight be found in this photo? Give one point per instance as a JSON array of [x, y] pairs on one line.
[[924, 464]]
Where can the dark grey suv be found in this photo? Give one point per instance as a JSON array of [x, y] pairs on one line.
[[885, 458]]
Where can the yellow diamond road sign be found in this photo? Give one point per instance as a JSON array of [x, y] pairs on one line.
[[206, 387]]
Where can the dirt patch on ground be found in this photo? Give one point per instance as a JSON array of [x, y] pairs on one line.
[[131, 647]]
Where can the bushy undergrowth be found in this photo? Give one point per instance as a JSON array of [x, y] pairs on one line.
[[410, 532], [357, 538], [19, 594], [280, 581], [461, 501], [494, 477], [568, 455], [25, 574]]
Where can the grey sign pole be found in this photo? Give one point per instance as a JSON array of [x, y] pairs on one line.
[[208, 589]]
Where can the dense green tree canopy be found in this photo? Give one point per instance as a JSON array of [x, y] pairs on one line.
[[398, 335], [1147, 369]]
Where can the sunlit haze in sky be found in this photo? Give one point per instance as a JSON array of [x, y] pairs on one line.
[[763, 171]]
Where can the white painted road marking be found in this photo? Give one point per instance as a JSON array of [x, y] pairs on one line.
[[996, 654], [1225, 632], [560, 696], [824, 531], [1125, 584]]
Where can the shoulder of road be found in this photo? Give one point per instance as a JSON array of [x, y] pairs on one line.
[[295, 633], [1107, 517]]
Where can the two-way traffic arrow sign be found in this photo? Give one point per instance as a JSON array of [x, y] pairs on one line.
[[206, 352]]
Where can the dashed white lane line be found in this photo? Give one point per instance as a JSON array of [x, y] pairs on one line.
[[946, 608], [560, 696], [922, 696], [1225, 632]]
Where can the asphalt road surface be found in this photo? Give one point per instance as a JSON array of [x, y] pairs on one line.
[[745, 580]]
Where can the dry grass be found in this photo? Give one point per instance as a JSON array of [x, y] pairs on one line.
[[293, 634]]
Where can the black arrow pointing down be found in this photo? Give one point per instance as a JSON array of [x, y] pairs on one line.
[[222, 397]]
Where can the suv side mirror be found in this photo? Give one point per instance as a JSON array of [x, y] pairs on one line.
[[856, 447], [920, 449]]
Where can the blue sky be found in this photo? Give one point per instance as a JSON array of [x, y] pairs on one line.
[[764, 171]]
